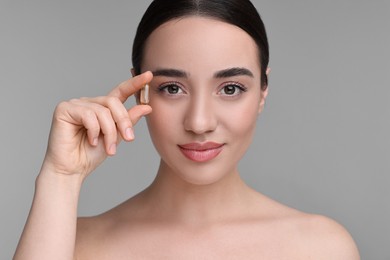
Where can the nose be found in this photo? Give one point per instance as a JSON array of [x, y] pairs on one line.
[[200, 117]]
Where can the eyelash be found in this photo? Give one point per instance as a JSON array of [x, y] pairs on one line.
[[164, 89], [237, 85]]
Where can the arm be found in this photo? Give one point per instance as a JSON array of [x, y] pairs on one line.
[[50, 230], [84, 132]]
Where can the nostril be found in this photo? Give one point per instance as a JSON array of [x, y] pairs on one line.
[[200, 124], [200, 117]]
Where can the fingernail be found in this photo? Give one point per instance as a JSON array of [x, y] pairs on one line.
[[112, 149], [95, 141], [129, 133]]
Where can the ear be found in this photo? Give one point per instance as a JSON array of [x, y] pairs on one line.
[[137, 94], [263, 96], [264, 93], [267, 72]]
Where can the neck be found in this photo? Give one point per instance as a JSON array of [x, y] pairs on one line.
[[175, 199]]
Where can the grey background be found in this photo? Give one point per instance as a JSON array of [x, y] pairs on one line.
[[322, 144]]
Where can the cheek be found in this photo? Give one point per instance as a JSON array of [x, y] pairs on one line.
[[241, 119], [239, 124], [163, 122]]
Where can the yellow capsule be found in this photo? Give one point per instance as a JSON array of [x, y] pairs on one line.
[[144, 97]]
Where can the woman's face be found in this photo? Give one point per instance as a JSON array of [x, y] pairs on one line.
[[205, 96]]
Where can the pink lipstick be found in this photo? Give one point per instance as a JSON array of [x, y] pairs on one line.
[[201, 152]]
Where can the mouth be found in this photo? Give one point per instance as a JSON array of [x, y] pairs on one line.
[[201, 152]]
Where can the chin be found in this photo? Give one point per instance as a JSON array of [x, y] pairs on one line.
[[200, 174]]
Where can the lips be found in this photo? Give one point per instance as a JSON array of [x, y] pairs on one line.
[[201, 152]]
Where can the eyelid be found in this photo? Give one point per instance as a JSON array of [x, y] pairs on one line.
[[166, 84], [162, 86], [240, 86], [236, 83]]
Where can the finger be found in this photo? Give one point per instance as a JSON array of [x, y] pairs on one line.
[[139, 111], [119, 114], [129, 87], [81, 116], [91, 123], [135, 114], [108, 128]]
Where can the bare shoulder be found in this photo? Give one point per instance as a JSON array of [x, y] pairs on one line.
[[315, 236], [308, 236], [96, 235], [93, 234], [88, 231], [327, 238]]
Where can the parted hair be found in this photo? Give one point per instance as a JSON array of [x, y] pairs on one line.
[[240, 13]]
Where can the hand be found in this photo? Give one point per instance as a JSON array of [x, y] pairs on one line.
[[85, 131]]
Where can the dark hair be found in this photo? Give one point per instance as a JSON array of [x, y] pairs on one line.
[[240, 13]]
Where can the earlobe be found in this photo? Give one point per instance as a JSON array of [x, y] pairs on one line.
[[263, 96], [268, 71]]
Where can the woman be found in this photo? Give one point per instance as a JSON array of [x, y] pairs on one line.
[[206, 64]]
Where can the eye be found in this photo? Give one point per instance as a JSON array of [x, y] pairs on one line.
[[171, 89], [232, 89]]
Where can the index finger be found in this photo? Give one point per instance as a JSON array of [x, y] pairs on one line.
[[127, 88]]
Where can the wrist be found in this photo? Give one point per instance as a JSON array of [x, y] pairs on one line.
[[55, 178]]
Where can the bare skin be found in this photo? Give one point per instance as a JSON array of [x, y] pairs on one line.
[[193, 209], [256, 228], [84, 132]]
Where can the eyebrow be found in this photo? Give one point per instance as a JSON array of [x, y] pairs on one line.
[[226, 73], [231, 72], [174, 73]]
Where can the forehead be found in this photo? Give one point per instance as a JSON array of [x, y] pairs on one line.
[[203, 43]]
